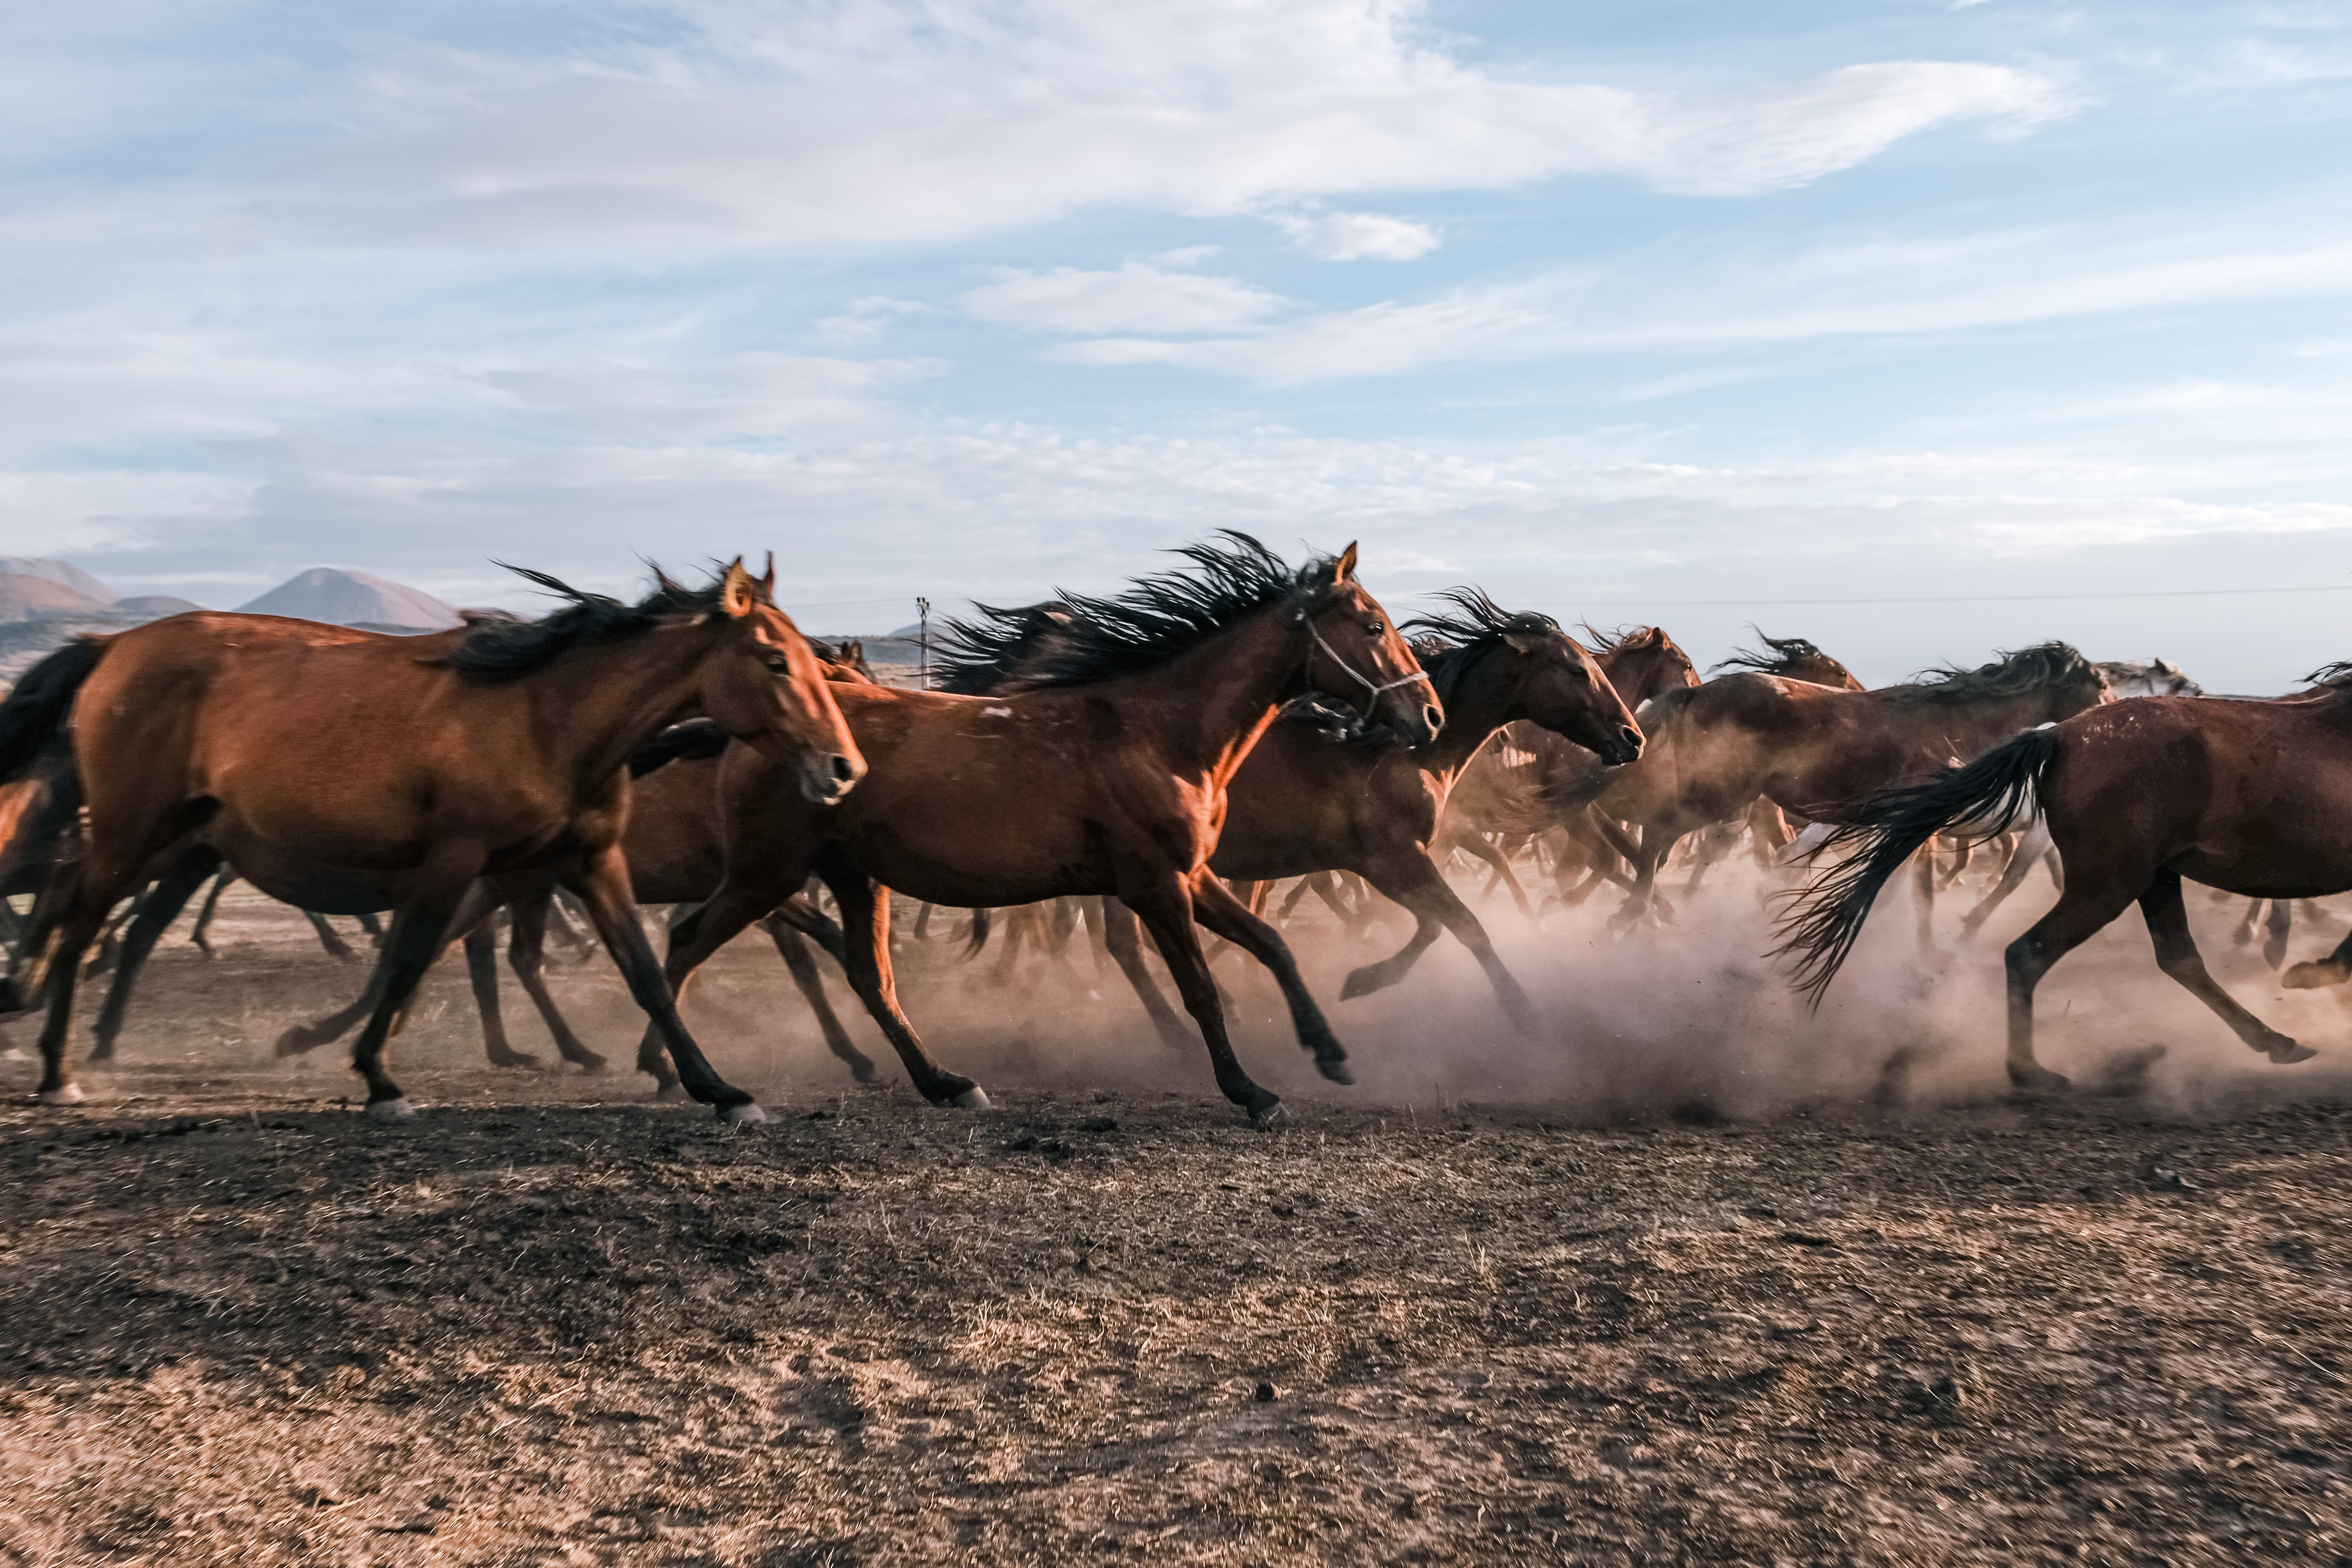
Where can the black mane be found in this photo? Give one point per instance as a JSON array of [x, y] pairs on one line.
[[1786, 652], [503, 651], [980, 655], [2042, 668], [1476, 623], [1156, 619]]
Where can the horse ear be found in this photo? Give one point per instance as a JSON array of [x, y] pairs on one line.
[[739, 591], [1523, 642], [1344, 569], [768, 580]]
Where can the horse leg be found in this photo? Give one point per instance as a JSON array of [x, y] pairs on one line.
[[2281, 923], [157, 911], [420, 932], [300, 1038], [2177, 955], [2077, 916], [1658, 842], [335, 945], [2030, 850], [793, 948], [1410, 879], [1299, 890], [866, 924], [482, 973], [2245, 932], [1923, 884], [528, 911], [202, 935], [603, 887], [2314, 973], [373, 927], [1963, 852], [1215, 907], [1481, 849], [923, 921], [1119, 928], [1163, 901]]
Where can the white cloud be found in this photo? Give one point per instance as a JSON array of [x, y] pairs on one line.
[[862, 320], [1135, 297], [881, 122], [1357, 236]]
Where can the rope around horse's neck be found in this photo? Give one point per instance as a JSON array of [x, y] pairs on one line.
[[1365, 680]]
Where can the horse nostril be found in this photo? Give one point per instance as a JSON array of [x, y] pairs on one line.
[[1433, 718], [844, 770]]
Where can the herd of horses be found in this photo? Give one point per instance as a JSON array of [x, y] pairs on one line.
[[1153, 761]]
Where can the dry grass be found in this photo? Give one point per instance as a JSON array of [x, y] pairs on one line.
[[239, 1324]]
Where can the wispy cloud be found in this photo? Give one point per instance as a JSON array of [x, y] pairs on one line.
[[1135, 297], [1357, 236]]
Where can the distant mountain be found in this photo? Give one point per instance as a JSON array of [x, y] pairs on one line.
[[63, 572], [23, 596], [352, 599], [155, 606]]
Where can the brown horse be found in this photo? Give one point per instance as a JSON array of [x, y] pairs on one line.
[[347, 771], [1797, 659], [1812, 751], [1532, 782], [2252, 797], [1102, 771], [1303, 804]]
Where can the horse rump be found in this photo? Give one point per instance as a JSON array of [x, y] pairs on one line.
[[1886, 829]]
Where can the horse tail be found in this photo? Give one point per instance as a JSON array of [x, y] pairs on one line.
[[981, 920], [1888, 828], [690, 742], [34, 717]]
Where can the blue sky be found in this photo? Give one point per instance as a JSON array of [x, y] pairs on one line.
[[1670, 311]]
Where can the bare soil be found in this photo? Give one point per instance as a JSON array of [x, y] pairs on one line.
[[546, 1322]]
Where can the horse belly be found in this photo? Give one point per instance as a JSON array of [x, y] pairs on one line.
[[978, 864]]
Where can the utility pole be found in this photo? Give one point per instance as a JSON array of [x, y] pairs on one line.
[[923, 614]]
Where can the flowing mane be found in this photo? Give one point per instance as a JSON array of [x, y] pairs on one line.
[[1475, 624], [2042, 668], [503, 650], [1786, 655], [1155, 620], [1632, 641], [981, 655]]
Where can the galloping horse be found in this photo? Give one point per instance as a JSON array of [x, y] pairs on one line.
[[2252, 797], [348, 771], [1103, 770], [1304, 803], [1812, 752]]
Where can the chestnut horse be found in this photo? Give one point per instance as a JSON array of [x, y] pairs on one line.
[[1812, 752], [2252, 797], [1303, 804], [1531, 781], [348, 771], [1103, 770]]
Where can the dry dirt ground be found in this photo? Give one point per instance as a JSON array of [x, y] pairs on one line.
[[545, 1322]]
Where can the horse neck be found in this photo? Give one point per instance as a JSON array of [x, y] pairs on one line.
[[1641, 669], [1226, 692], [1479, 704], [597, 705]]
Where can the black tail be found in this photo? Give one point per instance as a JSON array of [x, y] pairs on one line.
[[690, 742], [1888, 829], [33, 719]]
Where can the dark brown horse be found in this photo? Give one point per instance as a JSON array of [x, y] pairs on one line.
[[1304, 803], [1102, 771], [1530, 781], [345, 770], [1812, 752], [1797, 659], [2254, 798]]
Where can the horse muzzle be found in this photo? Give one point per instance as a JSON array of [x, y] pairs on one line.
[[1623, 747], [828, 776]]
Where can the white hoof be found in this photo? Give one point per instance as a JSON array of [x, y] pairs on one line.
[[69, 1095], [747, 1111], [392, 1110], [973, 1098]]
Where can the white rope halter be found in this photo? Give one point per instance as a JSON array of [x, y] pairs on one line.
[[1369, 685]]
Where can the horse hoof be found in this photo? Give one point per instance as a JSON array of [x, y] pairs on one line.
[[2290, 1052], [294, 1042], [973, 1098], [2032, 1081], [1360, 982], [1269, 1115], [590, 1064], [747, 1112], [2314, 975], [1334, 1069], [392, 1110], [70, 1094]]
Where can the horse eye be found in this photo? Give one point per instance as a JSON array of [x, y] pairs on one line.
[[1376, 628]]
